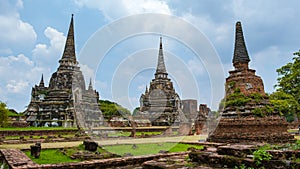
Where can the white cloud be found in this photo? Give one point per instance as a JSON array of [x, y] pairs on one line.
[[13, 31], [17, 86], [218, 33], [114, 9], [196, 67], [20, 73], [263, 11], [49, 55], [15, 61]]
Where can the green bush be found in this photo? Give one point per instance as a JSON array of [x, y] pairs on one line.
[[262, 111], [258, 112], [237, 98], [257, 97], [261, 155]]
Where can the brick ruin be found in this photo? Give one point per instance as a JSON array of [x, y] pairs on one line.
[[201, 119], [214, 155], [189, 108], [238, 122], [66, 101], [16, 159], [241, 156], [271, 129]]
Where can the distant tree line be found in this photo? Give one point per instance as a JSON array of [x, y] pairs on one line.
[[111, 109]]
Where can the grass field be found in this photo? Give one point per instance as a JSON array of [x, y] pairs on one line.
[[149, 148], [54, 156], [50, 156]]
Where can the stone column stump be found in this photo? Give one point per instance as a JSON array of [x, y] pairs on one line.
[[90, 145], [35, 150]]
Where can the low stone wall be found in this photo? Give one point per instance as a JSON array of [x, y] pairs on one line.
[[250, 129], [16, 159], [237, 155], [48, 139], [4, 133]]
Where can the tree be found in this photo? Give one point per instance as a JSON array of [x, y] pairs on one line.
[[285, 104], [289, 77], [286, 99], [135, 111], [3, 114], [112, 109]]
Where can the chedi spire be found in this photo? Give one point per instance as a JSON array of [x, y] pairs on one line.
[[161, 68], [90, 85], [240, 51], [69, 56]]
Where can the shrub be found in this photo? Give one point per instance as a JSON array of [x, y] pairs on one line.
[[261, 155]]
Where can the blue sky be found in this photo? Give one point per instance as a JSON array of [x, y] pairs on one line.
[[32, 37]]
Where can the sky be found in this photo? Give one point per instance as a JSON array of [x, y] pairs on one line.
[[117, 44]]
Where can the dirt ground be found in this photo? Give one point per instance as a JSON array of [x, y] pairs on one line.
[[195, 138]]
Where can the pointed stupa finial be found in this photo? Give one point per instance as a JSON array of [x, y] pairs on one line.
[[42, 82], [160, 42], [161, 68], [240, 51], [90, 85], [146, 91], [69, 55]]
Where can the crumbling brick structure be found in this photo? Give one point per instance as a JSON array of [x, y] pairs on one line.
[[238, 122]]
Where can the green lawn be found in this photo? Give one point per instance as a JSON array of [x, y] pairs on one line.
[[149, 148], [50, 156], [293, 130]]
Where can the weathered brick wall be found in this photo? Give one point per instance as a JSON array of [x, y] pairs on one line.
[[231, 156], [246, 80], [18, 160], [250, 129]]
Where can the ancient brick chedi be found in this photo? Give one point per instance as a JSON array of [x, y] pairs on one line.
[[160, 103], [242, 80], [247, 115], [66, 99], [242, 77]]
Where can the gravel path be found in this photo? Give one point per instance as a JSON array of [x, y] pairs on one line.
[[110, 142]]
